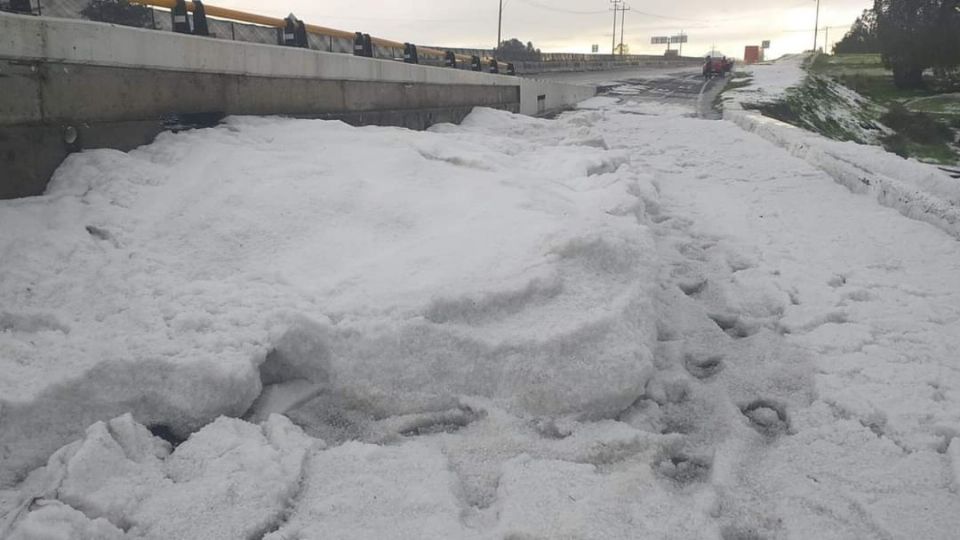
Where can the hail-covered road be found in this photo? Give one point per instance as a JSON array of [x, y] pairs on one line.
[[675, 87], [625, 322]]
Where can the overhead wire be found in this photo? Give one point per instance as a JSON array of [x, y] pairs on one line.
[[536, 4]]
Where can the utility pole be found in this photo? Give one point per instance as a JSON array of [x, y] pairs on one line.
[[616, 7], [826, 42], [623, 18], [680, 52], [496, 50], [816, 24]]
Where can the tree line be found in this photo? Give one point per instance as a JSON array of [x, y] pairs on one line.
[[515, 51], [910, 35]]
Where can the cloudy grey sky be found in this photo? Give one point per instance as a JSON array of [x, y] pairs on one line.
[[574, 25]]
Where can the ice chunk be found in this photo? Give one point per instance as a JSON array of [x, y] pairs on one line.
[[114, 470], [57, 521], [230, 480]]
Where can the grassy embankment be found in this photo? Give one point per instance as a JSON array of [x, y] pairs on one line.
[[925, 123]]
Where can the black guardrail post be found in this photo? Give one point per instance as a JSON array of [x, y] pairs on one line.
[[200, 27], [294, 33], [181, 21], [367, 46], [21, 6], [450, 59], [300, 35], [362, 45], [410, 54], [358, 44], [475, 64]]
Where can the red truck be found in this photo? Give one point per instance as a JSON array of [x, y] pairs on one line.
[[717, 67]]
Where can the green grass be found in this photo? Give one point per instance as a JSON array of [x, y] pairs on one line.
[[828, 64], [941, 155], [921, 118], [804, 107], [942, 104], [866, 74], [918, 135]]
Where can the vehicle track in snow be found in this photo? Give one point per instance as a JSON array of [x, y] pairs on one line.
[[678, 87]]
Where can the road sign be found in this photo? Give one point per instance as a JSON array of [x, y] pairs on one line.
[[595, 48], [664, 40], [765, 44]]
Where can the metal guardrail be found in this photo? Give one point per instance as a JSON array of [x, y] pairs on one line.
[[198, 18], [548, 57]]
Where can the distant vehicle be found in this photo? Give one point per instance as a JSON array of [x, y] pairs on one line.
[[715, 66]]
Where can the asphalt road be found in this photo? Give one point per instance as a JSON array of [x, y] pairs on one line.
[[683, 87]]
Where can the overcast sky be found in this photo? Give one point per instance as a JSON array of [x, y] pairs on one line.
[[574, 25]]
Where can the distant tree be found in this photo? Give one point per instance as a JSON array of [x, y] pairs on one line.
[[622, 49], [916, 35], [515, 50], [947, 36], [862, 37], [118, 12]]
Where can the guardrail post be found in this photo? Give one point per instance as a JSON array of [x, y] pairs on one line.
[[200, 27], [475, 64], [367, 46], [450, 59], [410, 54], [494, 66], [21, 6], [511, 69], [181, 21], [358, 44], [362, 45], [294, 33]]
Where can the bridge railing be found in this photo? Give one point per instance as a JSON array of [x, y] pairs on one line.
[[197, 17]]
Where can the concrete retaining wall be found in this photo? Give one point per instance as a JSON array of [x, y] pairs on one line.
[[539, 97], [117, 87]]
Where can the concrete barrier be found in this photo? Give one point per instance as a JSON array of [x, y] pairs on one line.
[[70, 84], [528, 68], [538, 97], [578, 62]]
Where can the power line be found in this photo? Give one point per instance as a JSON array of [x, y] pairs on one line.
[[560, 10]]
